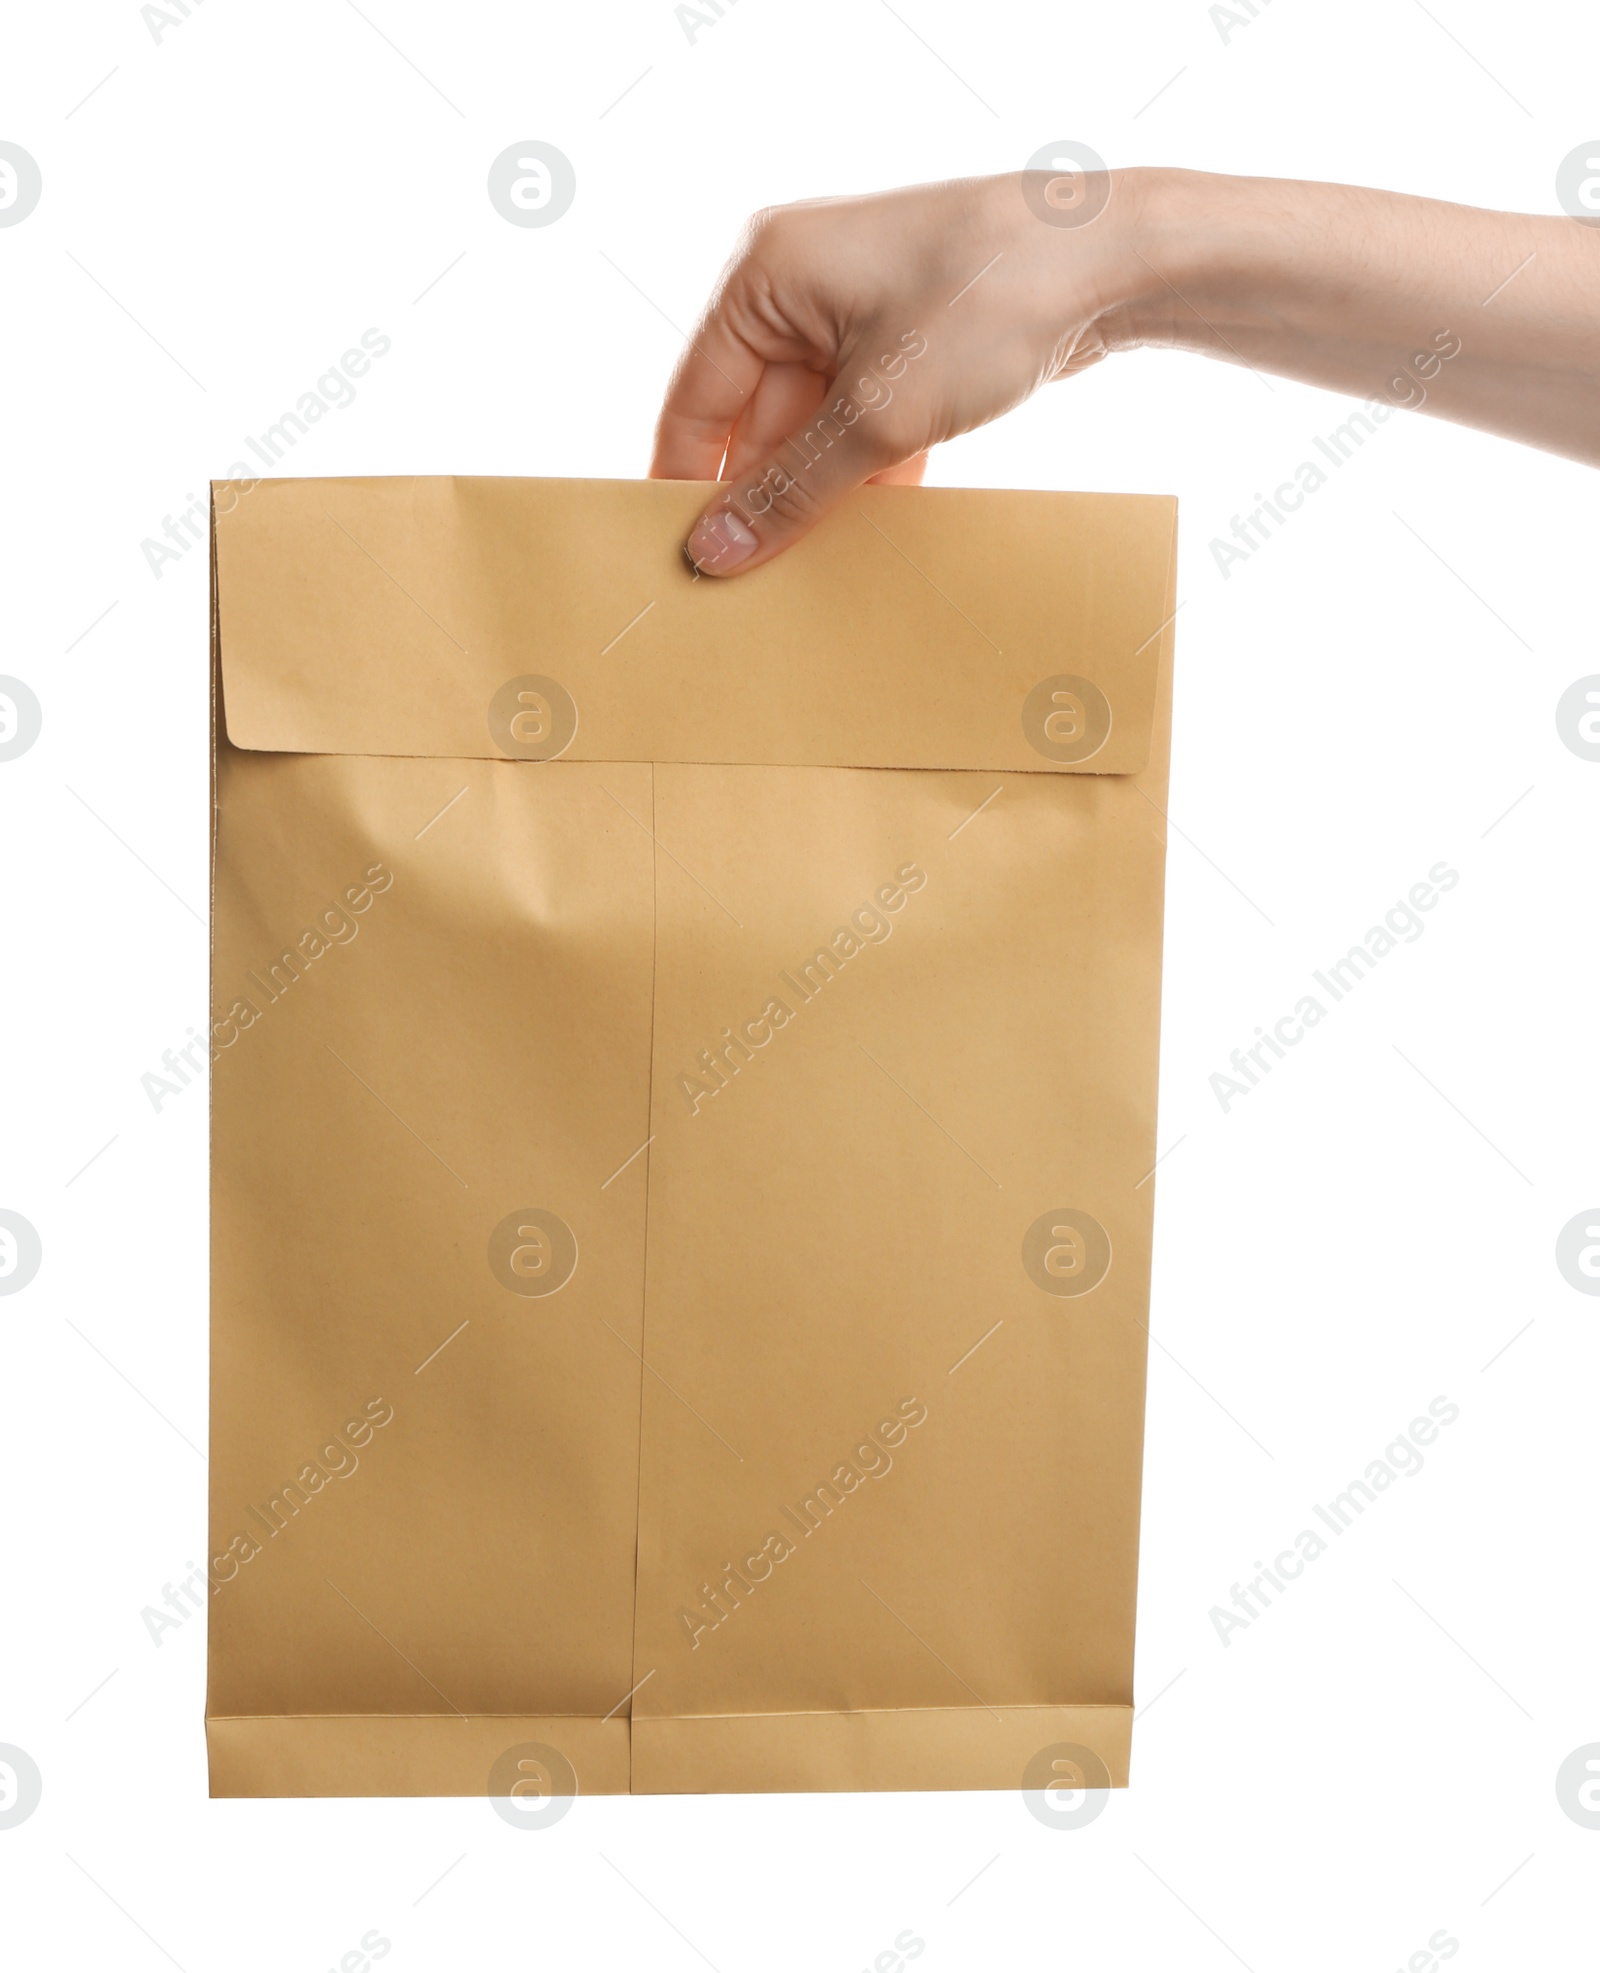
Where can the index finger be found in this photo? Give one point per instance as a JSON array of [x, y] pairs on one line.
[[713, 381]]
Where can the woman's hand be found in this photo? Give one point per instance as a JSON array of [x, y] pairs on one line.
[[846, 336]]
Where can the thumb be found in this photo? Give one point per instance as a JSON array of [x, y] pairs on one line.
[[771, 505]]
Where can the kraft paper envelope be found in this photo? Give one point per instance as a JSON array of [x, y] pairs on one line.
[[684, 1105]]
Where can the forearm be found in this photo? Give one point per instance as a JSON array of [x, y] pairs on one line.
[[1490, 319]]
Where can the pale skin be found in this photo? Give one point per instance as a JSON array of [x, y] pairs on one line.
[[848, 336]]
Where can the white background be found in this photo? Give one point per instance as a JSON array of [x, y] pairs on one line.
[[1375, 1757]]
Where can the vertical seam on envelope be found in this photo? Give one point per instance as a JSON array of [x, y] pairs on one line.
[[644, 1265]]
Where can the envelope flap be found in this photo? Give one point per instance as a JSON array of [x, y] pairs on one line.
[[531, 619]]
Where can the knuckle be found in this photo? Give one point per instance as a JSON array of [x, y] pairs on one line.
[[764, 228], [781, 497], [796, 504]]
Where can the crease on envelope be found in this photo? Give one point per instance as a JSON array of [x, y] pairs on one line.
[[644, 1327]]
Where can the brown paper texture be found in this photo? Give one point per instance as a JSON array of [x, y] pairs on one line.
[[684, 1105]]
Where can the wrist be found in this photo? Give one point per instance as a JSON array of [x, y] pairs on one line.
[[1205, 262], [1174, 259], [1188, 252], [1161, 248], [1111, 276]]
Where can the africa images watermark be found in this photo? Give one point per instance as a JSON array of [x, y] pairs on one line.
[[335, 391], [336, 1460], [162, 20], [336, 926], [1401, 925], [1229, 20], [1408, 391], [1402, 1458], [870, 924], [695, 20], [868, 1460]]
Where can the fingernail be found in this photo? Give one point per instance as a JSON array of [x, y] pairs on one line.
[[719, 542]]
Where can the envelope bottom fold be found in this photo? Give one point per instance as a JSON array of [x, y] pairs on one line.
[[402, 1754], [758, 1753], [802, 1753]]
